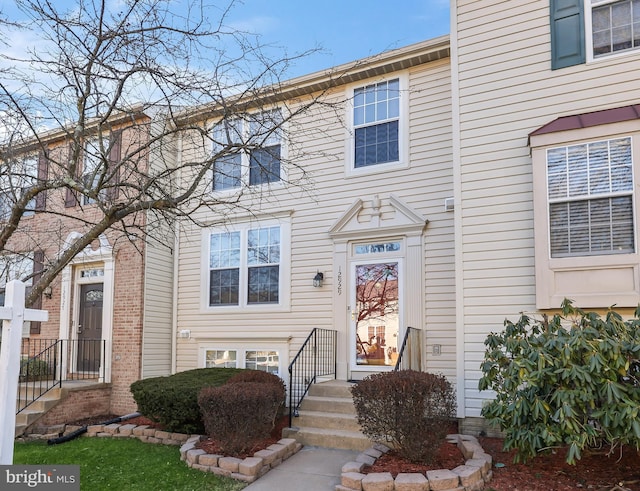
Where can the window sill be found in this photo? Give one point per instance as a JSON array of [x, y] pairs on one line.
[[375, 169]]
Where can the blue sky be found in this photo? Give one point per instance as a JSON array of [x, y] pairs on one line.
[[346, 30]]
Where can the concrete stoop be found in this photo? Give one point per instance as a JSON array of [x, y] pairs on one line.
[[36, 410], [26, 418], [327, 418]]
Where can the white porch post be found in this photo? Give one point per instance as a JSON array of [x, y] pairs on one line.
[[13, 315]]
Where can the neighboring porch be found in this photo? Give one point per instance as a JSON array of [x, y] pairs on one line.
[[61, 379]]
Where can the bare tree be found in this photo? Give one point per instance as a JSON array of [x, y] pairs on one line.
[[94, 111]]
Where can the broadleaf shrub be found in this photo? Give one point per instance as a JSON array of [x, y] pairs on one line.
[[173, 401], [408, 409], [569, 381], [239, 415]]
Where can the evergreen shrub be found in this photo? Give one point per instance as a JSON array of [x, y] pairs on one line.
[[239, 415], [172, 401], [573, 381]]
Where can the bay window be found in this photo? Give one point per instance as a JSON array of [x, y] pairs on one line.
[[590, 188]]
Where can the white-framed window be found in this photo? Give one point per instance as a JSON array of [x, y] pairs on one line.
[[247, 266], [264, 359], [612, 26], [590, 193], [17, 177], [17, 267], [92, 166], [252, 150], [376, 123]]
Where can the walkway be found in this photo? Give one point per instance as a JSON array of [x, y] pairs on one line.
[[311, 469]]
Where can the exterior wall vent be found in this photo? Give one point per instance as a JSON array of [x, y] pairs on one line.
[[448, 204]]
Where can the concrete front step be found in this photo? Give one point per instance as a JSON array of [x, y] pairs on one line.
[[43, 403], [328, 420], [331, 438], [328, 404], [332, 388], [20, 429]]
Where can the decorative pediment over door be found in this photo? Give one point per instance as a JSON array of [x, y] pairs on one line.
[[378, 216]]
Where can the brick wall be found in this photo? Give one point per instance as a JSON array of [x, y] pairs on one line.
[[76, 405], [127, 327]]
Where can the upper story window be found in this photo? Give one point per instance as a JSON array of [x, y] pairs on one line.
[[91, 166], [18, 177], [615, 25], [590, 192], [245, 266], [376, 123], [252, 150], [584, 30]]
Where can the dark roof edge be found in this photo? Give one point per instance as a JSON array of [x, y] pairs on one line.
[[587, 120]]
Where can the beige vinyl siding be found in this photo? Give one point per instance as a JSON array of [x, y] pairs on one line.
[[328, 195], [157, 333], [506, 90], [158, 293]]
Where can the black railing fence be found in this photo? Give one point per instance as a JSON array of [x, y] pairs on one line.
[[410, 355], [316, 358], [47, 363]]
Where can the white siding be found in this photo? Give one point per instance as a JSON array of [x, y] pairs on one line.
[[506, 90], [327, 194]]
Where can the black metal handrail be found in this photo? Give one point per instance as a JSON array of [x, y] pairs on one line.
[[316, 358], [39, 370], [46, 363], [412, 348]]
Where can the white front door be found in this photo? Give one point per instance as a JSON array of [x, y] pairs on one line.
[[376, 313]]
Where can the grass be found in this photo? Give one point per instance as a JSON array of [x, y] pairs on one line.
[[127, 463]]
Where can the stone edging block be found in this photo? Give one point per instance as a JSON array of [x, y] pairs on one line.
[[245, 470], [472, 476]]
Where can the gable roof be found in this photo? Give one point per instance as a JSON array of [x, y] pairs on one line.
[[586, 120]]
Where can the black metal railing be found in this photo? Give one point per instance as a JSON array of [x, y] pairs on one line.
[[410, 354], [316, 358], [46, 363]]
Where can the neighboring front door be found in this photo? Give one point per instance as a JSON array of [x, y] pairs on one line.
[[375, 313], [89, 340]]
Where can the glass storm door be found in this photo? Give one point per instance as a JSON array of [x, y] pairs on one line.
[[89, 340], [375, 316]]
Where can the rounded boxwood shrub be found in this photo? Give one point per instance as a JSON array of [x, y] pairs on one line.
[[173, 401], [408, 409], [238, 415], [262, 377]]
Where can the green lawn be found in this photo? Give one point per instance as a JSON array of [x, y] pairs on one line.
[[124, 464]]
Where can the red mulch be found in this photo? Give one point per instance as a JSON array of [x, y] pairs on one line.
[[448, 457], [211, 446], [548, 472]]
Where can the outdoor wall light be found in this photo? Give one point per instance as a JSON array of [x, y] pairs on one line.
[[48, 292], [317, 279]]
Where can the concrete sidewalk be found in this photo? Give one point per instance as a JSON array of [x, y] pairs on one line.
[[311, 469]]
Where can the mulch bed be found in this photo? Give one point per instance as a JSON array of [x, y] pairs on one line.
[[548, 472]]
